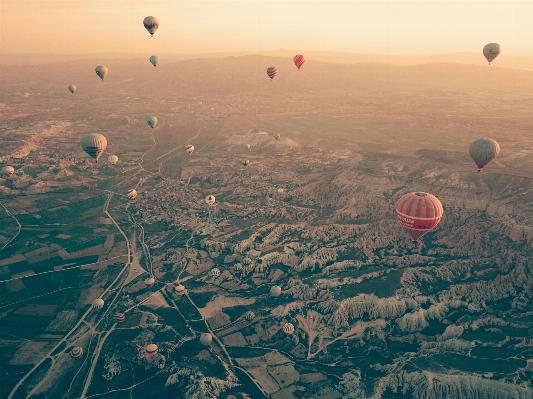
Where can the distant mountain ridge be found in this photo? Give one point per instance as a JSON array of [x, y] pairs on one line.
[[505, 61]]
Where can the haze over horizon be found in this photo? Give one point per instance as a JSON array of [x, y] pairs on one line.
[[366, 27]]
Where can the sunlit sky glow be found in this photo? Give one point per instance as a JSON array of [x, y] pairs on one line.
[[375, 27]]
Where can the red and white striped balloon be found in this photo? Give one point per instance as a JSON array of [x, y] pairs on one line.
[[272, 72], [299, 60], [118, 318], [288, 328], [418, 213]]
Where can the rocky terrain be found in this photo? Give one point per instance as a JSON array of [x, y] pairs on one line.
[[374, 316]]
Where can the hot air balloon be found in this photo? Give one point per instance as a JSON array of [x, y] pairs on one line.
[[132, 194], [247, 261], [247, 146], [272, 72], [151, 121], [275, 291], [180, 290], [288, 329], [189, 149], [112, 159], [118, 318], [491, 51], [280, 191], [101, 71], [72, 88], [246, 163], [210, 200], [8, 171], [238, 267], [153, 60], [249, 316], [94, 144], [215, 272], [299, 60], [149, 282], [483, 151], [76, 352], [98, 303], [418, 213], [151, 24], [150, 353], [277, 137], [206, 339]]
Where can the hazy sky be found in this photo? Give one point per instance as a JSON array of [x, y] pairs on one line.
[[377, 27]]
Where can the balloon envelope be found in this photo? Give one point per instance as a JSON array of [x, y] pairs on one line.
[[94, 144], [153, 60], [249, 315], [418, 213], [288, 328], [491, 51], [483, 151], [98, 303], [8, 171], [113, 159], [299, 60], [151, 24], [206, 339], [272, 72], [101, 71], [132, 194], [72, 88], [189, 149], [275, 291], [151, 349], [151, 121], [76, 352], [210, 200]]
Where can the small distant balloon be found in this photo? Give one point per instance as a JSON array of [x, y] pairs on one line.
[[151, 24], [76, 352], [189, 149], [246, 163], [119, 318], [149, 282], [206, 339], [98, 303], [491, 51], [210, 200], [8, 171], [72, 88], [101, 71], [483, 151], [153, 60], [94, 144], [249, 315], [277, 137], [299, 60], [151, 350], [272, 72], [248, 146], [132, 194], [288, 329], [151, 121], [112, 159], [275, 291], [215, 272]]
